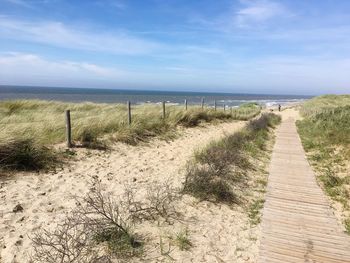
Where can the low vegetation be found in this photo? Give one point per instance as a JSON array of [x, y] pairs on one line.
[[29, 127], [325, 134], [103, 228], [45, 120], [106, 228], [324, 103], [26, 154], [182, 240], [254, 211], [222, 165]]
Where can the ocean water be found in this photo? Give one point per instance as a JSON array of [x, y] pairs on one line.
[[141, 96]]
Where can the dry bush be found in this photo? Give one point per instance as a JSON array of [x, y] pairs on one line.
[[68, 243], [264, 122], [108, 221], [100, 228], [222, 159], [97, 229], [158, 203]]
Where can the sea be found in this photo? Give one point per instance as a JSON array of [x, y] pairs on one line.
[[143, 96]]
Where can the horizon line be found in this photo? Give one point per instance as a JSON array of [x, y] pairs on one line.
[[156, 90]]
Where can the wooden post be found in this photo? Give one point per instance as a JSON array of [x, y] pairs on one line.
[[224, 107], [128, 104], [185, 104], [68, 130], [231, 110], [163, 109], [202, 103], [215, 105]]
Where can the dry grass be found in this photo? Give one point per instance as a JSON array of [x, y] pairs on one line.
[[25, 154], [223, 163], [27, 126], [45, 120], [323, 104]]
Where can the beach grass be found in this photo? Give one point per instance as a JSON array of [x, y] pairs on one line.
[[45, 120], [322, 104], [325, 134], [222, 165], [28, 128]]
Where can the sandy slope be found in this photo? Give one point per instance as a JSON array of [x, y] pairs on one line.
[[218, 233]]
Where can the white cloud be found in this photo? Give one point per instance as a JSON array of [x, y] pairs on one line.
[[25, 69], [118, 4], [294, 74], [18, 2], [285, 74], [27, 3], [244, 14], [258, 11], [60, 35]]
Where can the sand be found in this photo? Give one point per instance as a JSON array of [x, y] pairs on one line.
[[218, 233]]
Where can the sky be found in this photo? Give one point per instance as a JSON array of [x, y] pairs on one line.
[[249, 46]]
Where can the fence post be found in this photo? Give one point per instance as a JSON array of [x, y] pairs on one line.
[[185, 104], [163, 109], [68, 129], [202, 103], [231, 110], [224, 107], [128, 104], [215, 105]]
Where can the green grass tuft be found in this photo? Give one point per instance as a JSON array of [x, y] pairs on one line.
[[347, 225], [119, 243], [254, 211], [182, 240]]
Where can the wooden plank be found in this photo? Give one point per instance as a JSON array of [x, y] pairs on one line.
[[298, 224]]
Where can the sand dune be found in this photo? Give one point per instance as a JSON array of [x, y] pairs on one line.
[[218, 233]]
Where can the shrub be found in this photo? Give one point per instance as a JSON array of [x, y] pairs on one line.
[[101, 227], [67, 243], [222, 163], [159, 202], [220, 158], [96, 222], [266, 120], [202, 183], [25, 154]]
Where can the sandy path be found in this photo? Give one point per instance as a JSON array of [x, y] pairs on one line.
[[46, 197], [298, 224]]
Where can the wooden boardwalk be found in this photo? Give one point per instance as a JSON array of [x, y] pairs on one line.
[[298, 224]]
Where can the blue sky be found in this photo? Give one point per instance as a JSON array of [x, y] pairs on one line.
[[252, 46]]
